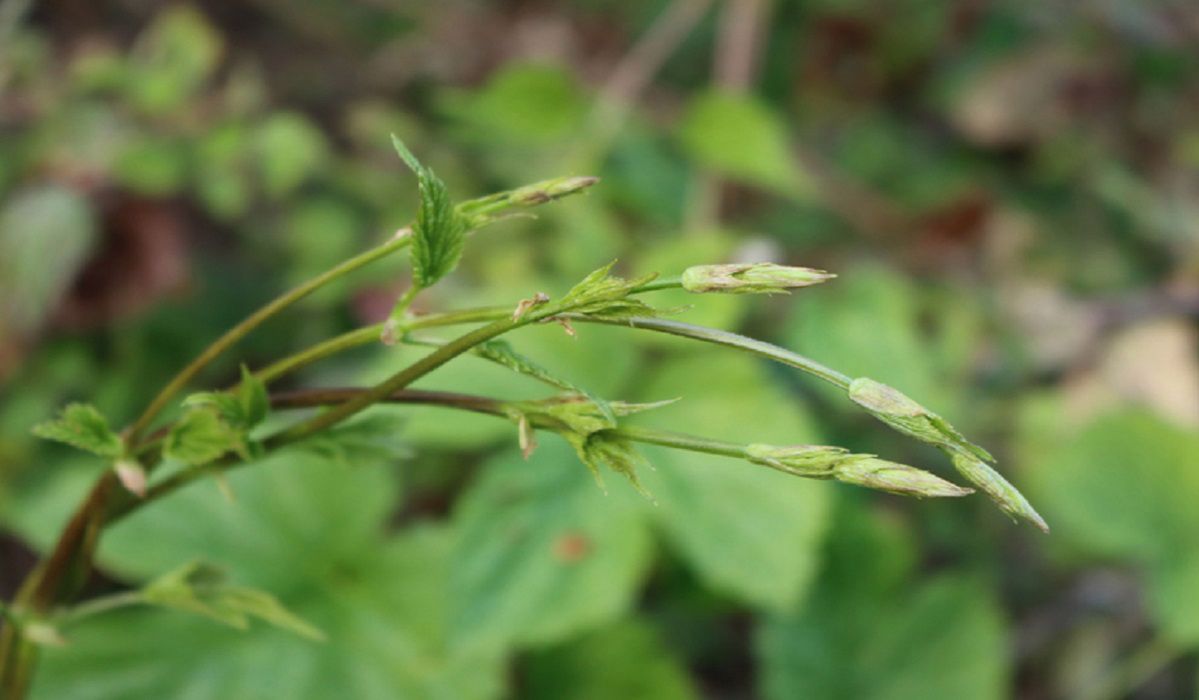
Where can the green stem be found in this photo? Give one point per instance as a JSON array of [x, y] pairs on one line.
[[96, 606], [241, 330], [732, 340]]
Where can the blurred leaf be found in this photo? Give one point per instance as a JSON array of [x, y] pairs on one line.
[[201, 589], [153, 166], [533, 104], [289, 149], [172, 59], [383, 615], [1125, 487], [201, 436], [222, 181], [46, 234], [740, 137], [542, 552], [626, 660], [747, 530], [313, 533], [944, 640], [82, 426]]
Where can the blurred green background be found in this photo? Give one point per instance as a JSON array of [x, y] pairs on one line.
[[1009, 192]]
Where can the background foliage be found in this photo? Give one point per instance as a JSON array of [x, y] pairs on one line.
[[1009, 191]]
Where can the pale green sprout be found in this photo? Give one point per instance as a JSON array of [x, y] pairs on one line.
[[751, 278]]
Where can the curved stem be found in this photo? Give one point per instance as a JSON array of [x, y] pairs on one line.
[[251, 322]]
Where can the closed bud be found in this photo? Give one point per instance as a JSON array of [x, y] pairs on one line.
[[750, 278], [896, 478], [549, 190], [897, 410], [1006, 496], [132, 476], [801, 460]]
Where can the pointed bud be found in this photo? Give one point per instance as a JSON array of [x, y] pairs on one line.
[[750, 278], [816, 461], [897, 410], [896, 478], [132, 476], [1010, 500], [549, 190]]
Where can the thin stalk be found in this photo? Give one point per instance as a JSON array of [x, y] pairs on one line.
[[241, 330], [96, 606], [732, 340]]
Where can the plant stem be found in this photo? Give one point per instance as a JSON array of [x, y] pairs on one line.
[[732, 340], [241, 330], [103, 604]]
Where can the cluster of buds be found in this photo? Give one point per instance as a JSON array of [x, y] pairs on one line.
[[821, 462], [751, 278], [906, 416]]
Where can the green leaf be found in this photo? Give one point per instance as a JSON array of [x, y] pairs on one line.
[[1125, 487], [542, 553], [521, 104], [317, 535], [748, 531], [439, 233], [501, 352], [604, 295], [869, 631], [200, 437], [82, 426], [625, 660], [740, 137], [201, 589], [945, 639]]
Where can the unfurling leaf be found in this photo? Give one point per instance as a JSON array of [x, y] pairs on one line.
[[439, 233], [501, 352], [241, 408], [603, 295], [201, 589], [586, 427], [750, 278], [201, 436], [83, 427]]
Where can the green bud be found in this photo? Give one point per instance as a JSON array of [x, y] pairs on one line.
[[750, 278], [816, 461], [910, 418], [549, 190], [897, 478], [1004, 495]]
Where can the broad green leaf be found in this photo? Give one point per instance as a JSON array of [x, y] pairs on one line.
[[740, 137], [383, 614], [439, 233], [1125, 487], [625, 660], [748, 531], [83, 427], [542, 553], [944, 639], [313, 533], [201, 436]]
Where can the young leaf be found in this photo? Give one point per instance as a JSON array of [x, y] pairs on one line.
[[201, 589], [83, 427], [501, 352], [603, 295], [439, 233], [242, 408], [200, 437]]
